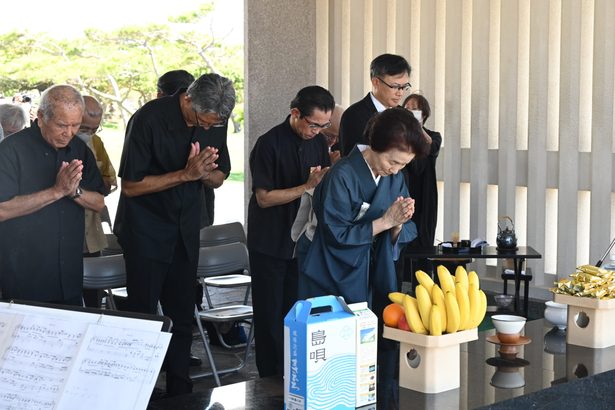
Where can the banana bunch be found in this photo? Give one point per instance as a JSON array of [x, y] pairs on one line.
[[588, 281], [457, 304]]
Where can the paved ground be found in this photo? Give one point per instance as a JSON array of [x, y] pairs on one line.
[[222, 357]]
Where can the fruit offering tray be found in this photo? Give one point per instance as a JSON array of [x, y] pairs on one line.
[[421, 358], [428, 340], [590, 321]]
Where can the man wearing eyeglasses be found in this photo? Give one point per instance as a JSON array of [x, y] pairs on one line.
[[389, 75], [285, 162], [95, 239], [167, 158]]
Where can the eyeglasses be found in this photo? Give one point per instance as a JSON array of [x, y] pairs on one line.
[[315, 126], [89, 130], [207, 124], [402, 87]]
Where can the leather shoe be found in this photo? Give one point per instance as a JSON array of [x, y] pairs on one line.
[[195, 360]]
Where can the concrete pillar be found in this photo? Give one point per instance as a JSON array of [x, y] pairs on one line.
[[280, 59]]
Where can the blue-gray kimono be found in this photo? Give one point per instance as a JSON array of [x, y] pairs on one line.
[[344, 258]]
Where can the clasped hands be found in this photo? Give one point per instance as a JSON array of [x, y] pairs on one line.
[[316, 175], [69, 177], [400, 211], [200, 162]]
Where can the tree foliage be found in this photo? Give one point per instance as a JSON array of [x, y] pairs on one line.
[[120, 67]]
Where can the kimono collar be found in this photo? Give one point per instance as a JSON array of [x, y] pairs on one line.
[[376, 178]]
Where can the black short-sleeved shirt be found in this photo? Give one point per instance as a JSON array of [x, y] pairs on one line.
[[41, 253], [158, 142], [280, 159]]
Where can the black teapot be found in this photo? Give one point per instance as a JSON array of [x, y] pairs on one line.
[[506, 239]]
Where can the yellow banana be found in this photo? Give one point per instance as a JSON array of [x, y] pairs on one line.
[[475, 307], [397, 297], [473, 279], [464, 306], [424, 303], [412, 315], [483, 307], [461, 276], [446, 281], [424, 279], [437, 296], [452, 312], [435, 322]]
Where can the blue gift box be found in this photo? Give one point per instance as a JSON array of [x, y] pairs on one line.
[[320, 355]]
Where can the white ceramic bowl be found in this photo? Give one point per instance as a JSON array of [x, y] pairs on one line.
[[557, 313], [508, 324]]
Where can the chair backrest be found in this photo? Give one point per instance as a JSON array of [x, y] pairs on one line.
[[222, 234], [104, 272], [223, 260]]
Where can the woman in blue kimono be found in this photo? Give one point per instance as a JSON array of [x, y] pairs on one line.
[[363, 210]]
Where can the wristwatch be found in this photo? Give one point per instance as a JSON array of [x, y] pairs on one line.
[[77, 194]]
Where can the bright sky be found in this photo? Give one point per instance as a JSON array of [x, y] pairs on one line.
[[68, 18]]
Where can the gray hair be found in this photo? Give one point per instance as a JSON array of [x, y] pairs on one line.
[[59, 95], [212, 93], [13, 118]]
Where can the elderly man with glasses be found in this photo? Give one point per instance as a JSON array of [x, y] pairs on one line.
[[88, 132], [95, 238], [167, 158], [285, 162], [389, 75]]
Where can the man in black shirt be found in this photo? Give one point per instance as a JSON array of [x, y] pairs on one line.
[[389, 75], [47, 178], [286, 161], [167, 159]]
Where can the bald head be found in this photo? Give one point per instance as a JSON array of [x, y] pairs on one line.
[[59, 114], [64, 96], [92, 116], [332, 133], [92, 107]]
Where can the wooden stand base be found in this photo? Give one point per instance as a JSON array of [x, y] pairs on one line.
[[429, 364], [590, 321]]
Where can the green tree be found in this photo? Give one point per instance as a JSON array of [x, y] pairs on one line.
[[120, 67]]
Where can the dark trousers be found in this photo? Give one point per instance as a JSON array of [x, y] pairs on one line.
[[150, 281], [274, 291]]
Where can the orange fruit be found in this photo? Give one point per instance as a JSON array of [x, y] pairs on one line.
[[391, 314]]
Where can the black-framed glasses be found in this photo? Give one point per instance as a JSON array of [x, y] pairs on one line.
[[316, 126], [402, 87], [206, 124]]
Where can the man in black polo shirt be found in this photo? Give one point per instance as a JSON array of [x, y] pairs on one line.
[[286, 161], [167, 159], [47, 178]]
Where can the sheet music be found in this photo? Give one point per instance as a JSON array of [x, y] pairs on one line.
[[8, 323], [36, 364], [115, 363], [85, 317], [62, 359]]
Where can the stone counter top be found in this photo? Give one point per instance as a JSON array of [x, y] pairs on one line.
[[547, 373]]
